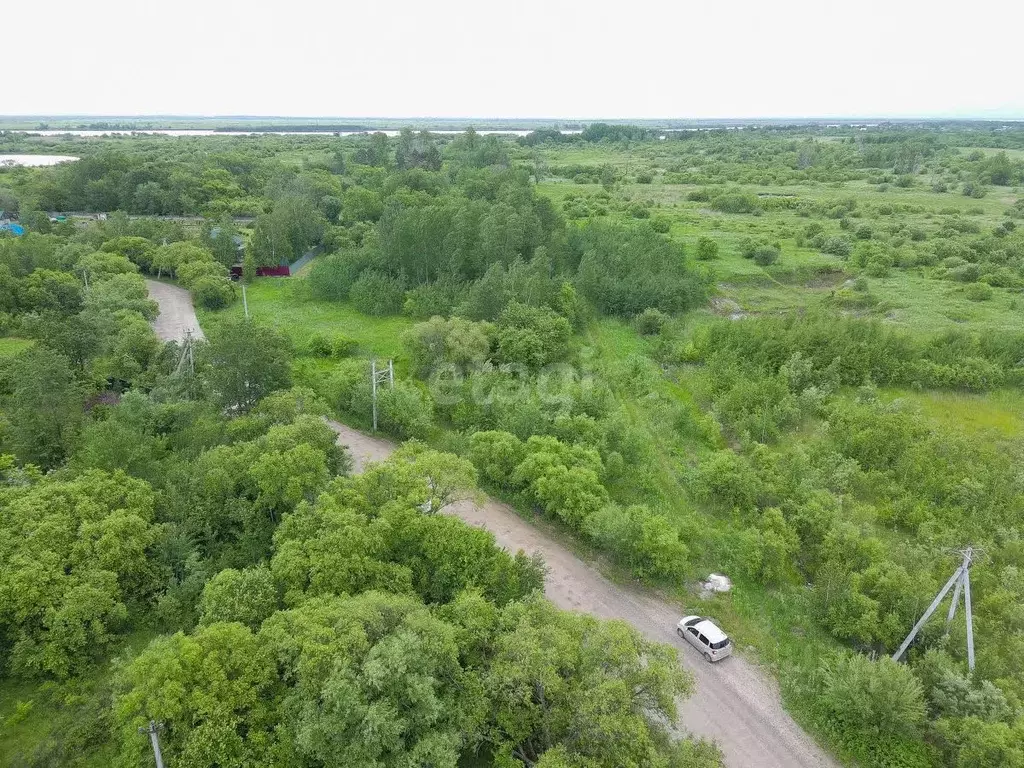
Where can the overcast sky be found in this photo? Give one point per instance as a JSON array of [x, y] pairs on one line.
[[533, 58]]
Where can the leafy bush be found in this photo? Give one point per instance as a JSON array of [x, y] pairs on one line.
[[766, 255], [979, 292], [646, 543], [213, 292], [707, 249], [650, 322], [661, 224], [323, 345], [874, 708], [625, 270], [837, 246], [638, 210], [736, 202], [375, 293], [331, 277]]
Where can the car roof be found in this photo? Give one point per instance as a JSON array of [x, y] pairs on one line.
[[710, 631]]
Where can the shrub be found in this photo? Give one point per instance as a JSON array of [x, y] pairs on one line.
[[868, 703], [978, 292], [661, 225], [332, 276], [766, 255], [837, 246], [736, 202], [638, 210], [624, 270], [322, 345], [343, 346], [650, 322], [375, 293], [213, 292], [707, 249], [646, 543], [319, 345]]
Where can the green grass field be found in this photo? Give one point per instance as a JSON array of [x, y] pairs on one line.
[[12, 346], [804, 277], [284, 304]]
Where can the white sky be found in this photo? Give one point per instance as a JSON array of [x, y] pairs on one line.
[[532, 58]]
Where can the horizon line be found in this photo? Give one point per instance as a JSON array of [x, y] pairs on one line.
[[975, 117]]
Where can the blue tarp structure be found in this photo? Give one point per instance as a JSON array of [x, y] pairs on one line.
[[15, 229]]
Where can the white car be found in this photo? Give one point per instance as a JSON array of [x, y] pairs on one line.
[[704, 635]]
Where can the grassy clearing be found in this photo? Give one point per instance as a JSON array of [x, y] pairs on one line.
[[805, 277], [50, 725], [1001, 412], [12, 346], [285, 305]]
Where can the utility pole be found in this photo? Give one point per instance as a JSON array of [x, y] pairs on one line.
[[187, 357], [152, 729], [245, 301], [378, 379], [187, 354], [962, 579]]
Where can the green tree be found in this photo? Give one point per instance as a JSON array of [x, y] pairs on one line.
[[46, 290], [246, 361], [214, 693], [596, 689], [75, 555], [42, 421], [248, 597]]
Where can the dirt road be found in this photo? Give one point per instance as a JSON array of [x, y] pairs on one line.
[[177, 315], [735, 703]]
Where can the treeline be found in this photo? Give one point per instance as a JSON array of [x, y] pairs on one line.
[[853, 352], [432, 245]]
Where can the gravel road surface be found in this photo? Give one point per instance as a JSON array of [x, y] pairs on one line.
[[735, 703], [177, 315]]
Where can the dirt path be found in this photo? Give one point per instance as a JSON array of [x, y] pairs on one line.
[[735, 703], [177, 315]]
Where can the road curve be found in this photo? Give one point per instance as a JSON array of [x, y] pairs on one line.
[[177, 315], [735, 703]]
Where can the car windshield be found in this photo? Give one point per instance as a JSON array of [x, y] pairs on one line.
[[720, 644]]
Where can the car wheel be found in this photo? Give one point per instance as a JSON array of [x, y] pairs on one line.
[[707, 657], [680, 632]]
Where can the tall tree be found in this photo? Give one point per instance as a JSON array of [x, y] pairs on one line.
[[246, 361], [43, 406]]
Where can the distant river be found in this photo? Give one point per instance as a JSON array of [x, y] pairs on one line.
[[35, 160], [204, 132]]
